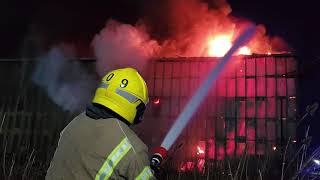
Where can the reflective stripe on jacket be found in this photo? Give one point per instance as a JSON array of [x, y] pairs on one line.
[[99, 149]]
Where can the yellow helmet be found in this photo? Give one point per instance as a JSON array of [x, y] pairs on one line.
[[125, 92]]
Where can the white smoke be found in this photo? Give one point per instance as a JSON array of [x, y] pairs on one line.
[[121, 45], [68, 84]]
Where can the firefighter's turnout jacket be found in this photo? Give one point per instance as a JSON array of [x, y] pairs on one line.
[[99, 149]]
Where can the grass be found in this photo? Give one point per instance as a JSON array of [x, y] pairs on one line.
[[28, 164], [295, 162]]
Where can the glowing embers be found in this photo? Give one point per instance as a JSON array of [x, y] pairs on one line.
[[191, 165], [187, 166], [198, 161], [200, 151], [218, 150], [274, 148]]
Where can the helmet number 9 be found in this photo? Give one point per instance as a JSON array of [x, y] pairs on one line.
[[124, 83], [110, 76]]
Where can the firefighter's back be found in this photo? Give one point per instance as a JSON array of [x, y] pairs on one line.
[[96, 149]]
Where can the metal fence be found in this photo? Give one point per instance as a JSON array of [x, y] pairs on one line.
[[29, 120]]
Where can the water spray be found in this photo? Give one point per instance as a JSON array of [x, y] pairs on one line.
[[196, 100]]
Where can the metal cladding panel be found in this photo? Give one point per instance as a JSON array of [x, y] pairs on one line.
[[242, 111]]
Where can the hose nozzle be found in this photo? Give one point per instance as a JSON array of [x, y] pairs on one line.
[[159, 154]]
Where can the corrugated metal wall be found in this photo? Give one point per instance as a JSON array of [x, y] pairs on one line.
[[243, 110]]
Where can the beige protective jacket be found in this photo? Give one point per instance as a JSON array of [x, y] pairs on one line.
[[99, 149]]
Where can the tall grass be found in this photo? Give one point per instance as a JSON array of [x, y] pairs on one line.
[[293, 162]]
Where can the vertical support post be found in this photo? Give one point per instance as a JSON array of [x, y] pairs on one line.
[[281, 126]]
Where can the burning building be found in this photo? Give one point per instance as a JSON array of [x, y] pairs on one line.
[[251, 108]]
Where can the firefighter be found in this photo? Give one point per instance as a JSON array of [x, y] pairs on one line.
[[99, 144]]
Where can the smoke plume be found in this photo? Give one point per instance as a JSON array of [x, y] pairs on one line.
[[173, 28], [64, 80], [120, 45], [190, 25]]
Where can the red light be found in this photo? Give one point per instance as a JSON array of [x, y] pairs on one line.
[[200, 164], [187, 166], [274, 148], [156, 101], [200, 151], [292, 97]]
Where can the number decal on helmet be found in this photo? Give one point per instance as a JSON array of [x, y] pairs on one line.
[[110, 76], [124, 83]]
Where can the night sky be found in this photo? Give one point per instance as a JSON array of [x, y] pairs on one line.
[[297, 22], [75, 20]]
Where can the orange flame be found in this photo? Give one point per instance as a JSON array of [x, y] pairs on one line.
[[244, 51], [220, 45], [209, 32]]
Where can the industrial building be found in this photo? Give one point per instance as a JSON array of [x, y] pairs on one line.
[[252, 107]]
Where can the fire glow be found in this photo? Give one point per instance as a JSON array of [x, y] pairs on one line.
[[203, 90], [156, 101], [200, 151], [210, 32], [207, 33], [220, 45]]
